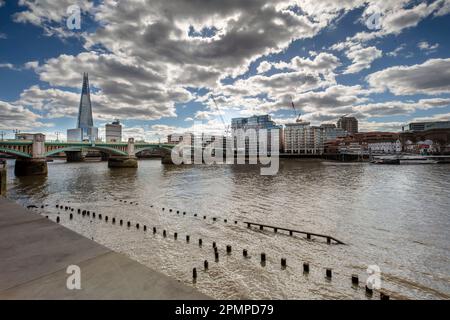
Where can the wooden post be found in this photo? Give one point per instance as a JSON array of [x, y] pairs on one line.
[[305, 267], [384, 296]]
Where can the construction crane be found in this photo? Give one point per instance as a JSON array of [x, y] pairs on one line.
[[227, 128], [295, 112]]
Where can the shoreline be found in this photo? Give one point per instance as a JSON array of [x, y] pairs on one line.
[[36, 252]]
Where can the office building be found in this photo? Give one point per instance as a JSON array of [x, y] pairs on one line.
[[431, 137], [331, 132], [242, 129], [113, 131], [24, 136], [423, 126], [349, 124]]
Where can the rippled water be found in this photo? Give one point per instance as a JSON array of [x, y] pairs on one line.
[[395, 217]]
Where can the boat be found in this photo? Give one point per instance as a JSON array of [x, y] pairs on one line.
[[405, 160], [417, 161], [386, 161]]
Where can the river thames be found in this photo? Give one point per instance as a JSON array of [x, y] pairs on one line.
[[394, 217]]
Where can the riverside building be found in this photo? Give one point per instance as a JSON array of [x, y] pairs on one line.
[[243, 128], [349, 124], [302, 138], [331, 132], [113, 131]]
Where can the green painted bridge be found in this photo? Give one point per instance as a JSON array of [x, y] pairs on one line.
[[31, 154], [24, 148]]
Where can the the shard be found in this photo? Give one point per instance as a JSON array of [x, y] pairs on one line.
[[85, 130], [85, 112]]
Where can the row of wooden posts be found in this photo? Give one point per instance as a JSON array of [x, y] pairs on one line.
[[263, 258], [261, 226], [274, 228]]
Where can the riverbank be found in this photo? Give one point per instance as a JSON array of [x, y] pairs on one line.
[[35, 253]]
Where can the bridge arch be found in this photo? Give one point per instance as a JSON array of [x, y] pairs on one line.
[[108, 150], [166, 150], [15, 152]]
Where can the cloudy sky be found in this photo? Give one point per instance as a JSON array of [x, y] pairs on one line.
[[155, 64]]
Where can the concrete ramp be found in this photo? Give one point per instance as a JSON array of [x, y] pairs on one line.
[[35, 253]]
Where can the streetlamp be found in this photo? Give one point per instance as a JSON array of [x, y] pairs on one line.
[[57, 136], [16, 132]]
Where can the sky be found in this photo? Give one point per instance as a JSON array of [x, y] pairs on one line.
[[157, 64]]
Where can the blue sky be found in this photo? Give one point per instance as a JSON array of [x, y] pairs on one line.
[[155, 66]]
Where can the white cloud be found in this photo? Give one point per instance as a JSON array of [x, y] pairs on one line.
[[128, 88], [435, 117], [18, 117], [7, 66], [51, 15], [393, 108], [367, 126], [31, 65], [430, 77], [264, 66], [444, 9], [428, 48], [396, 16], [362, 58], [323, 63], [396, 51], [152, 61]]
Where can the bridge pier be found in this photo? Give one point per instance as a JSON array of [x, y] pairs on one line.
[[166, 159], [30, 167], [122, 162], [129, 161], [2, 178], [74, 156], [105, 156], [37, 164]]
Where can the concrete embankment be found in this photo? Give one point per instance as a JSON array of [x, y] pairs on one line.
[[36, 252]]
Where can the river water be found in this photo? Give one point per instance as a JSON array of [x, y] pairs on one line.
[[394, 217]]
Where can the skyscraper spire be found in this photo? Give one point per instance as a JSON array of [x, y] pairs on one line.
[[85, 111], [85, 130]]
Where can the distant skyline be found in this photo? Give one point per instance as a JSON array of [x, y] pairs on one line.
[[154, 64]]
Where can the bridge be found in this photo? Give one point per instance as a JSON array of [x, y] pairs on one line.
[[31, 154]]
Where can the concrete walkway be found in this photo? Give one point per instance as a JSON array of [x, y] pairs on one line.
[[35, 253]]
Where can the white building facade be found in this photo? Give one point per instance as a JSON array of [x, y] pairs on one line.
[[385, 147], [301, 138], [113, 132]]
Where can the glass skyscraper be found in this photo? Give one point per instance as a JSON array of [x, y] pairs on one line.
[[240, 126], [85, 130]]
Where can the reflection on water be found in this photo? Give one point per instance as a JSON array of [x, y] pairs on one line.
[[395, 217]]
